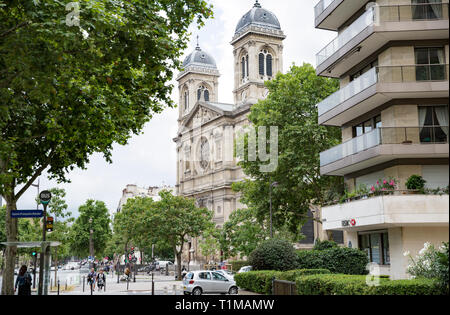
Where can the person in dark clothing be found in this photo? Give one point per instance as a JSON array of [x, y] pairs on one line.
[[23, 281], [101, 280]]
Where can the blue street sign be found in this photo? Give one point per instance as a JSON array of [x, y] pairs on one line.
[[27, 213]]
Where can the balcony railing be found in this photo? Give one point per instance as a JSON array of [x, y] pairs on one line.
[[386, 135], [321, 6], [385, 74], [380, 14]]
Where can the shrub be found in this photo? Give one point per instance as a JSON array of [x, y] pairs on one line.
[[337, 260], [339, 284], [274, 254], [261, 281], [322, 245], [415, 182], [431, 263], [256, 281]]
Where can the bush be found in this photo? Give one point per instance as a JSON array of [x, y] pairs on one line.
[[337, 260], [415, 182], [256, 281], [274, 254], [339, 284], [322, 245], [261, 281]]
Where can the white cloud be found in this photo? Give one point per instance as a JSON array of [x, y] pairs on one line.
[[150, 159]]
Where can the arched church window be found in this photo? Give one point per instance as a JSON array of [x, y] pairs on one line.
[[243, 67], [186, 100], [261, 64], [269, 65], [206, 95], [246, 66], [203, 90], [199, 94]]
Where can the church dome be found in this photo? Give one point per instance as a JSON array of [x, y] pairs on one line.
[[259, 17], [199, 58]]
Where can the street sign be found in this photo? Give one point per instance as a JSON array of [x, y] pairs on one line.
[[27, 213], [45, 197]]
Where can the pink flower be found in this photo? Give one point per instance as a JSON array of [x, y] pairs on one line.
[[384, 189], [378, 183], [392, 183], [385, 182], [373, 188]]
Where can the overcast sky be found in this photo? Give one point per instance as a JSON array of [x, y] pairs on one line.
[[150, 159]]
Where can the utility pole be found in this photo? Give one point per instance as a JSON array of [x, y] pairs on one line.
[[91, 243], [44, 197], [274, 184]]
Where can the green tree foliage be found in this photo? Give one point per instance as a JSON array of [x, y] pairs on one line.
[[79, 234], [69, 91], [291, 106], [173, 220]]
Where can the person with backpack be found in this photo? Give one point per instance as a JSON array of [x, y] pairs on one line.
[[92, 276], [23, 281], [101, 280]]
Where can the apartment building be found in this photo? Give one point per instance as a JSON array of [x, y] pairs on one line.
[[391, 57]]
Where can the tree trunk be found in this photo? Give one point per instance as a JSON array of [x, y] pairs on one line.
[[178, 257], [56, 265], [10, 251]]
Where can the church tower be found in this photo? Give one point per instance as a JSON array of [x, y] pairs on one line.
[[198, 82], [258, 54]]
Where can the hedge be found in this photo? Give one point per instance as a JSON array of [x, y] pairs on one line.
[[274, 254], [338, 260], [339, 284], [261, 281]]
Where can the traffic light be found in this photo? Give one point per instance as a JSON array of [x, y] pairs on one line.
[[34, 254], [49, 224], [132, 250]]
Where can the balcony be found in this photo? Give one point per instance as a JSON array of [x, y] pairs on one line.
[[378, 26], [385, 144], [331, 14], [380, 85], [387, 211]]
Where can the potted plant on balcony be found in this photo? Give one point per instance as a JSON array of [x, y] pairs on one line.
[[416, 184]]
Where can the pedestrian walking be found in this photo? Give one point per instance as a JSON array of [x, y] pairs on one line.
[[23, 281], [101, 280], [92, 276], [127, 272]]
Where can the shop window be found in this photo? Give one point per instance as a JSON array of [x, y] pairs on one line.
[[376, 246]]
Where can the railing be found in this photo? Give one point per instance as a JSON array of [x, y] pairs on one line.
[[360, 84], [321, 6], [380, 14], [386, 135], [385, 74]]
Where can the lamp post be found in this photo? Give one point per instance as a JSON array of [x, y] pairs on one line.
[[91, 243], [274, 184]]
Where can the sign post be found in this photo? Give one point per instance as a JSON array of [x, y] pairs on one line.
[[44, 198]]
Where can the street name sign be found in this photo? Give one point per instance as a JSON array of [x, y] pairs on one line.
[[27, 213]]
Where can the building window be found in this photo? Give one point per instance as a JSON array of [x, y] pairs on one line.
[[265, 64], [426, 9], [244, 67], [430, 64], [367, 126], [376, 246], [203, 91], [359, 73], [186, 100], [433, 124]]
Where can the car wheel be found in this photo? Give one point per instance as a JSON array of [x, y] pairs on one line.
[[197, 291], [233, 291]]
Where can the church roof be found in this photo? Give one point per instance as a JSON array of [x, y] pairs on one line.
[[199, 58], [259, 17]]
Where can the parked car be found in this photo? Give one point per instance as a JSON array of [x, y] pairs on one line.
[[245, 269], [200, 282], [227, 274]]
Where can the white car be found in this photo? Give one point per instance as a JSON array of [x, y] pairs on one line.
[[200, 282], [227, 274], [245, 269]]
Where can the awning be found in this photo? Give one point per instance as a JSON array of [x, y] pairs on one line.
[[31, 244]]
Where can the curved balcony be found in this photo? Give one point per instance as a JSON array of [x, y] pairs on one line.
[[380, 85], [391, 22]]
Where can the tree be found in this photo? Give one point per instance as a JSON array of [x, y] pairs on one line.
[[72, 87], [291, 106], [210, 243], [173, 219], [80, 232]]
